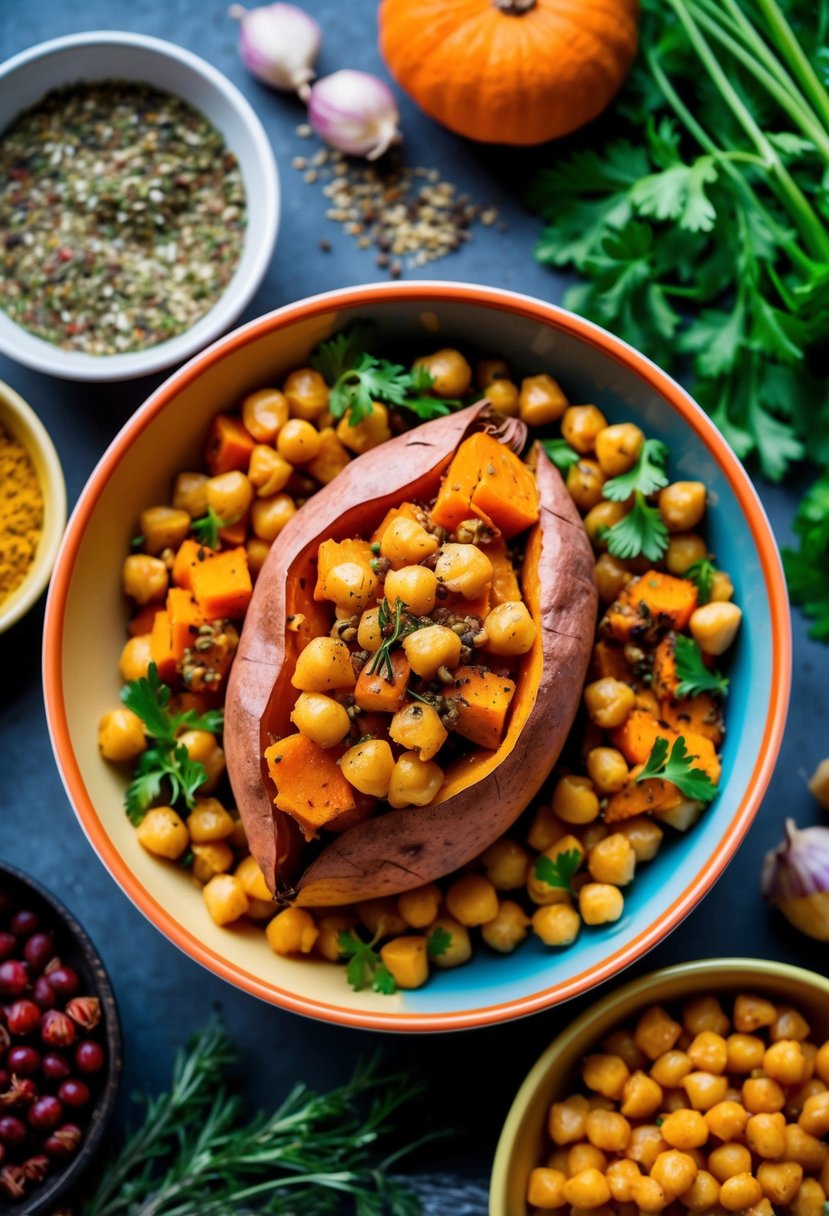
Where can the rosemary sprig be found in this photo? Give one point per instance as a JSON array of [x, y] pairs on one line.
[[196, 1151], [400, 621]]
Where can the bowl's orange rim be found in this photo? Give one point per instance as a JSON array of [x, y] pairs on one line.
[[612, 347]]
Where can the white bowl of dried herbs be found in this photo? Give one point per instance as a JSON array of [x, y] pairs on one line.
[[139, 205]]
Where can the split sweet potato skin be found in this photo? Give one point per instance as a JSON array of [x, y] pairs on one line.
[[483, 793]]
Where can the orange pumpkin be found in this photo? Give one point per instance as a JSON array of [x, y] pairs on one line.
[[510, 71]]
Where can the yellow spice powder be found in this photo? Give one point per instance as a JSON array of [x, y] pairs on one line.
[[21, 513]]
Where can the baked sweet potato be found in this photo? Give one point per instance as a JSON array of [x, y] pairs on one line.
[[485, 790]]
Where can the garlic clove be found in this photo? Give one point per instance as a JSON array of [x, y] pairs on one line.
[[796, 879], [809, 914], [354, 112], [279, 44]]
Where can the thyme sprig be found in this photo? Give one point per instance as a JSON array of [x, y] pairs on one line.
[[197, 1151], [399, 622]]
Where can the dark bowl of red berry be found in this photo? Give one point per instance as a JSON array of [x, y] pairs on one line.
[[60, 1047]]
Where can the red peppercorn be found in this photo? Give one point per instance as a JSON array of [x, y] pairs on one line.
[[25, 922], [43, 994], [46, 1113], [39, 948], [64, 980], [74, 1093], [64, 1141], [57, 1029], [23, 1061], [12, 1131], [89, 1056], [14, 977], [8, 945], [23, 1017], [55, 1067]]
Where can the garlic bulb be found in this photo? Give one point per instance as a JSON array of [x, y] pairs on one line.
[[354, 112], [796, 878], [279, 44]]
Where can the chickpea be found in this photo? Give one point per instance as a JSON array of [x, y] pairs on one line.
[[268, 472], [450, 372], [780, 1180], [729, 1160], [298, 441], [722, 587], [789, 1024], [705, 1089], [144, 578], [584, 484], [189, 494], [419, 907], [430, 648], [740, 1191], [567, 1120], [407, 960], [415, 586], [618, 448], [682, 505], [766, 1134], [121, 735], [541, 892], [587, 1189], [264, 413], [807, 1150], [675, 1171], [209, 821], [459, 949], [714, 626], [822, 1062], [684, 548], [612, 860], [657, 1032], [472, 900], [405, 542], [797, 1097], [591, 835], [556, 924], [580, 425], [708, 1052], [202, 747], [814, 1118], [545, 1189], [329, 929], [785, 1062], [229, 495], [621, 1175], [622, 1043], [585, 1156], [504, 397], [325, 663], [381, 917], [306, 393], [541, 400], [752, 1012], [505, 864], [641, 1096], [809, 1200], [705, 1013], [608, 1130], [163, 833], [762, 1095], [600, 519], [225, 899], [414, 782], [510, 629], [648, 1195], [605, 1075], [545, 829], [368, 767], [211, 859], [162, 528], [575, 800], [418, 728], [320, 718], [612, 576], [646, 1144], [644, 835], [609, 702], [135, 658], [352, 585], [600, 903], [727, 1119], [253, 880], [507, 929], [488, 371], [292, 931], [464, 569], [372, 430], [270, 515], [703, 1194]]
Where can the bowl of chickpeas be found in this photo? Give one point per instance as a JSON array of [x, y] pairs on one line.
[[169, 537], [702, 1087]]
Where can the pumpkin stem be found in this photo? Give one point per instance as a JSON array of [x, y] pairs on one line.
[[514, 7]]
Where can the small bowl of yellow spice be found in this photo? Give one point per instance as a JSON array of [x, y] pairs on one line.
[[32, 507]]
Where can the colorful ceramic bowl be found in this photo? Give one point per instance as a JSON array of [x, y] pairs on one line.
[[523, 1139], [81, 678], [22, 424], [119, 55], [75, 949]]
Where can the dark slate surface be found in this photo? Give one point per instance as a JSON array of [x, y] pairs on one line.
[[162, 994]]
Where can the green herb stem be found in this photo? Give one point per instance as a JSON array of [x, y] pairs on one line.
[[793, 52]]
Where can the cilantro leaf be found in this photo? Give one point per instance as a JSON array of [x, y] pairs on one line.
[[144, 789], [678, 769], [383, 981], [206, 528], [694, 676], [807, 568], [340, 353], [370, 379], [148, 698], [438, 942], [558, 871], [701, 574], [679, 193], [365, 967], [561, 454], [647, 475], [641, 531]]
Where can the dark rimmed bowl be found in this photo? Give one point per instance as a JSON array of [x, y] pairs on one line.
[[75, 948]]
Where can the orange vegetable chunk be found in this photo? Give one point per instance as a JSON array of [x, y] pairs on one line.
[[482, 699], [610, 661], [653, 599], [228, 445], [406, 510], [184, 616], [221, 584], [235, 533], [486, 480], [504, 588], [375, 692], [143, 620], [636, 736], [701, 715], [642, 798], [161, 648], [309, 784], [665, 678], [189, 555]]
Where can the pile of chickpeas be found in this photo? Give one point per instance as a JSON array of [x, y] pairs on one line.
[[293, 446], [706, 1112]]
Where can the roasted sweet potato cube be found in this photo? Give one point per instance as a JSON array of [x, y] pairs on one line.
[[482, 700], [310, 786]]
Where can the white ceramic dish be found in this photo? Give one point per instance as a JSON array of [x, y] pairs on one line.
[[106, 54], [23, 424]]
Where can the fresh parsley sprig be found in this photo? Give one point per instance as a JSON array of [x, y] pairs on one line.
[[561, 454], [694, 676], [165, 760], [365, 967], [645, 476], [701, 574], [807, 569], [206, 528], [678, 769], [438, 942], [642, 532], [558, 871]]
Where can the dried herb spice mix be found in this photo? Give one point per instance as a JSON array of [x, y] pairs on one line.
[[122, 217]]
